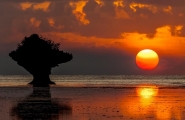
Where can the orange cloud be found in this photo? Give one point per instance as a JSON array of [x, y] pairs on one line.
[[118, 3], [134, 7], [26, 5], [168, 9], [51, 21], [163, 42], [100, 2], [35, 6], [78, 11], [42, 6], [72, 40], [34, 22], [178, 30], [120, 13]]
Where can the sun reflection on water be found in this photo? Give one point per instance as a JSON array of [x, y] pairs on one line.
[[146, 95], [147, 91], [151, 102]]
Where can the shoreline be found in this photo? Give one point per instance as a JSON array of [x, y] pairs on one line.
[[99, 86]]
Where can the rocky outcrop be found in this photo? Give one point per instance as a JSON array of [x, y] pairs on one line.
[[38, 56]]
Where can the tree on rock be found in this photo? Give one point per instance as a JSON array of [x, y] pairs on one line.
[[38, 55]]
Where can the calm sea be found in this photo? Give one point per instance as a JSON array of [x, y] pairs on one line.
[[97, 80]]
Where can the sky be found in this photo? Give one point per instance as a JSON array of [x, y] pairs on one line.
[[104, 36]]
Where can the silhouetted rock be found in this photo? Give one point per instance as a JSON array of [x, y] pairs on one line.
[[40, 106], [38, 55]]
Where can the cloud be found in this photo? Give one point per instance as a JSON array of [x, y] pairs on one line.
[[168, 9], [26, 5], [51, 21], [99, 2], [98, 25], [176, 3], [78, 11], [35, 22], [134, 7], [35, 6], [99, 18], [120, 12], [163, 41], [43, 6]]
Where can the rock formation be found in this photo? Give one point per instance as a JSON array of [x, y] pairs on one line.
[[38, 55]]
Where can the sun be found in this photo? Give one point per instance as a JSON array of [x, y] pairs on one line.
[[147, 59]]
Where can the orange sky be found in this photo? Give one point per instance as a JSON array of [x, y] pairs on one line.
[[112, 25]]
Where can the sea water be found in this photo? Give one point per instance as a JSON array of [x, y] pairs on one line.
[[97, 80], [94, 97]]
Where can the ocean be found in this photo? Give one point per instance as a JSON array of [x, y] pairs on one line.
[[93, 97], [97, 80]]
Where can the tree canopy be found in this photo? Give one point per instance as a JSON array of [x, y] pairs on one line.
[[38, 55]]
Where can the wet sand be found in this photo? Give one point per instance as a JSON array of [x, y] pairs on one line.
[[92, 103]]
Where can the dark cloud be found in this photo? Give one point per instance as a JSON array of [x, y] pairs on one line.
[[176, 3], [19, 1], [108, 26], [103, 23]]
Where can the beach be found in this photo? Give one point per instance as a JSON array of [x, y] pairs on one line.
[[93, 103]]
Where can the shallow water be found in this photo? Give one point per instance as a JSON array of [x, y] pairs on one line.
[[94, 98], [76, 103]]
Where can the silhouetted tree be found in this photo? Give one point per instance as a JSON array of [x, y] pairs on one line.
[[38, 55]]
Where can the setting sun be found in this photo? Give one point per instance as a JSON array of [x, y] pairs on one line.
[[147, 59]]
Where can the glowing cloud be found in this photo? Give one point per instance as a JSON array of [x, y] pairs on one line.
[[163, 41], [78, 11], [35, 6], [43, 6], [26, 5], [35, 22], [51, 21], [100, 2], [168, 9], [178, 30], [134, 7], [118, 3], [120, 13]]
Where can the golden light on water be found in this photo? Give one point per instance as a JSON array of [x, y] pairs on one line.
[[147, 91], [150, 102]]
